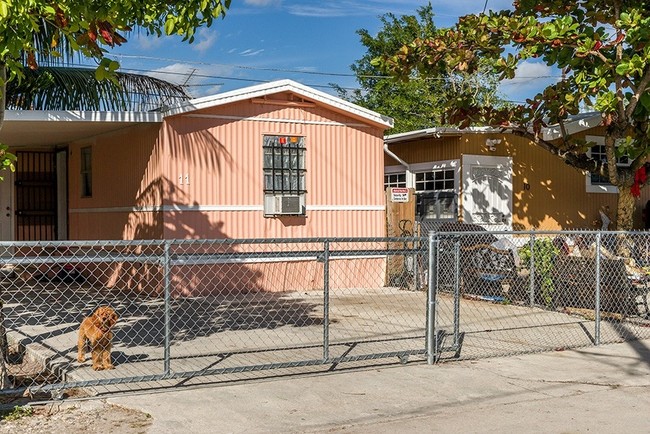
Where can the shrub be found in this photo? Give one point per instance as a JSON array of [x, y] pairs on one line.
[[544, 252]]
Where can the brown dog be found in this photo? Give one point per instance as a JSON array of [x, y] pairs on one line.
[[97, 330]]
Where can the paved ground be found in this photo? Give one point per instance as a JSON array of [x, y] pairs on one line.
[[229, 332], [599, 389]]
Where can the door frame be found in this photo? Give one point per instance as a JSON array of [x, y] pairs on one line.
[[7, 207]]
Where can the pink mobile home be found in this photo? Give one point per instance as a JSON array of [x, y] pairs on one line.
[[276, 160]]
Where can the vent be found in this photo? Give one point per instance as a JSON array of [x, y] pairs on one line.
[[284, 205]]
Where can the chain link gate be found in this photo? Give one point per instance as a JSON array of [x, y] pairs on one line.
[[192, 311], [504, 293]]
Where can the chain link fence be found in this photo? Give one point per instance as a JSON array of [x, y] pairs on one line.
[[196, 311], [200, 311], [504, 293]]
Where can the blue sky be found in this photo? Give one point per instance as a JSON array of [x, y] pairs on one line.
[[310, 41]]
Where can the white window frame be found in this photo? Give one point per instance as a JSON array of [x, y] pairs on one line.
[[431, 166], [396, 170], [437, 165], [600, 188]]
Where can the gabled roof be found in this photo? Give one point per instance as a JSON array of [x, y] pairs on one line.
[[261, 90], [572, 125]]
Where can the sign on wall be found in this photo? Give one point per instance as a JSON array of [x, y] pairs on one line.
[[398, 194]]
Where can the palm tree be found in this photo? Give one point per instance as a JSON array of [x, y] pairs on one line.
[[76, 88], [45, 84]]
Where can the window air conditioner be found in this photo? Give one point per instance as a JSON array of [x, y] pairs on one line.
[[284, 205]]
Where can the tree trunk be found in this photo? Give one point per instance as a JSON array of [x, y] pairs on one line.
[[625, 209]]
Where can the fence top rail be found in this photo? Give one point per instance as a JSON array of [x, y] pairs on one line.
[[130, 243], [538, 232]]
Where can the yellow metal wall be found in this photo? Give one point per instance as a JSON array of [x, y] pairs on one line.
[[547, 193]]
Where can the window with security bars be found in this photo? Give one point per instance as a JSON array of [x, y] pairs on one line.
[[394, 180], [284, 165], [599, 153]]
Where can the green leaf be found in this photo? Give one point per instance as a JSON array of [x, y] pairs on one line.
[[645, 101], [622, 68], [170, 24]]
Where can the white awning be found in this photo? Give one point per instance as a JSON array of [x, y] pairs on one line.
[[49, 128]]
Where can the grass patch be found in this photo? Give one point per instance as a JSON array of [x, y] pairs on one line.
[[18, 412]]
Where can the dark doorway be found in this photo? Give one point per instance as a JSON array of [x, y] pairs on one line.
[[36, 201]]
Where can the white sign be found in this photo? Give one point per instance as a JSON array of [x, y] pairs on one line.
[[398, 194]]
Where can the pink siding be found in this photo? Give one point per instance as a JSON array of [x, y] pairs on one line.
[[195, 167], [223, 159], [126, 174], [202, 280]]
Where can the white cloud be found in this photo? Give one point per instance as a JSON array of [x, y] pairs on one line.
[[343, 8], [200, 80], [206, 40], [262, 2], [250, 52], [147, 42], [530, 78]]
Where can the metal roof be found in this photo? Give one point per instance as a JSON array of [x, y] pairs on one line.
[[573, 124], [279, 86]]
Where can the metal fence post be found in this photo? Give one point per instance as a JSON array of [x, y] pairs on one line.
[[167, 289], [531, 293], [597, 298], [432, 346], [326, 300], [457, 293]]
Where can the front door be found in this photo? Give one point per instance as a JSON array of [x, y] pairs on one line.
[[487, 191], [36, 196]]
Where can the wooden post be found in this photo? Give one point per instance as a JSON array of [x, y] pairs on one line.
[[400, 222]]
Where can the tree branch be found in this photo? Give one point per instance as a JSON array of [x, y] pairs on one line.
[[579, 161], [636, 96]]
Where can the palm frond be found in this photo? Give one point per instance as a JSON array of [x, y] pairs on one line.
[[74, 88]]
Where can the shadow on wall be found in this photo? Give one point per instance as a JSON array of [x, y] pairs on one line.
[[194, 278], [205, 150], [554, 199]]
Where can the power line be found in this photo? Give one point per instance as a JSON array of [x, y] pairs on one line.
[[251, 68], [289, 71]]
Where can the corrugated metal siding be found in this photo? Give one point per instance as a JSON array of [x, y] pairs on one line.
[[223, 160], [425, 150], [557, 197], [126, 173]]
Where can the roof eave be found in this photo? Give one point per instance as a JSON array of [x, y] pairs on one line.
[[278, 87]]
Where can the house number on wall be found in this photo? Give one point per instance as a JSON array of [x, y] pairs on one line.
[[184, 179], [526, 186]]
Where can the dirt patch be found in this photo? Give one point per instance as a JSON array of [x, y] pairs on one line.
[[17, 414], [94, 416]]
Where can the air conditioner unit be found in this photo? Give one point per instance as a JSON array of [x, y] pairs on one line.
[[284, 205]]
